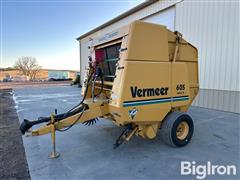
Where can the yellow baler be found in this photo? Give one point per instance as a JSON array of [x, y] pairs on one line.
[[141, 76]]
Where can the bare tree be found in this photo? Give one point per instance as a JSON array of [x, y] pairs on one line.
[[28, 66]]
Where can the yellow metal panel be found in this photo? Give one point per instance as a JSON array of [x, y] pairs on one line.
[[141, 79], [187, 53], [172, 38], [147, 42], [180, 84]]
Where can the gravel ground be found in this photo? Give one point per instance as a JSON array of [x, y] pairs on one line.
[[13, 163]]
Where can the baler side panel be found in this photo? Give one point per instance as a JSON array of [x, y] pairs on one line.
[[180, 85], [146, 88], [188, 54], [147, 42]]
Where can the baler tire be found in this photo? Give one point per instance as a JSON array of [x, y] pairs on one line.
[[168, 131]]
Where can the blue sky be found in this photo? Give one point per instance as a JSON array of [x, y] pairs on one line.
[[48, 30]]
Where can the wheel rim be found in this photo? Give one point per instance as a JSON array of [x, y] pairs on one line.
[[182, 130]]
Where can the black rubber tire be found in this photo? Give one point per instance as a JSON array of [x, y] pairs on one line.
[[169, 128]]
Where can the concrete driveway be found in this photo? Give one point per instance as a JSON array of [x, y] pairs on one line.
[[87, 152]]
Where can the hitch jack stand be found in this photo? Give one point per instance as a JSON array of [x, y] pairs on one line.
[[125, 136], [53, 154]]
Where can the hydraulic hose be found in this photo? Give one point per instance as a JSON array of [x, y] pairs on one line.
[[76, 109], [98, 73], [67, 128], [26, 124], [85, 93]]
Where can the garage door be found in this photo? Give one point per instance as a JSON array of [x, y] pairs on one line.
[[165, 17]]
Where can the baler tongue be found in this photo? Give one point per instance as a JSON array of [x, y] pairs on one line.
[[84, 113], [26, 124]]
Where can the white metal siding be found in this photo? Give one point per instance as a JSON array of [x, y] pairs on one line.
[[85, 52], [213, 27], [165, 17], [218, 99], [143, 13]]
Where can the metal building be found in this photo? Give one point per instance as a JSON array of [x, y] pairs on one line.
[[212, 26]]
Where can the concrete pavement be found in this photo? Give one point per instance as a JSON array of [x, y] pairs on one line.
[[87, 152]]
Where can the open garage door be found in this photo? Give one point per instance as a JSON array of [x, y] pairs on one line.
[[165, 17]]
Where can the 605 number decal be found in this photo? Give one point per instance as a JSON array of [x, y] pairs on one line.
[[180, 87]]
